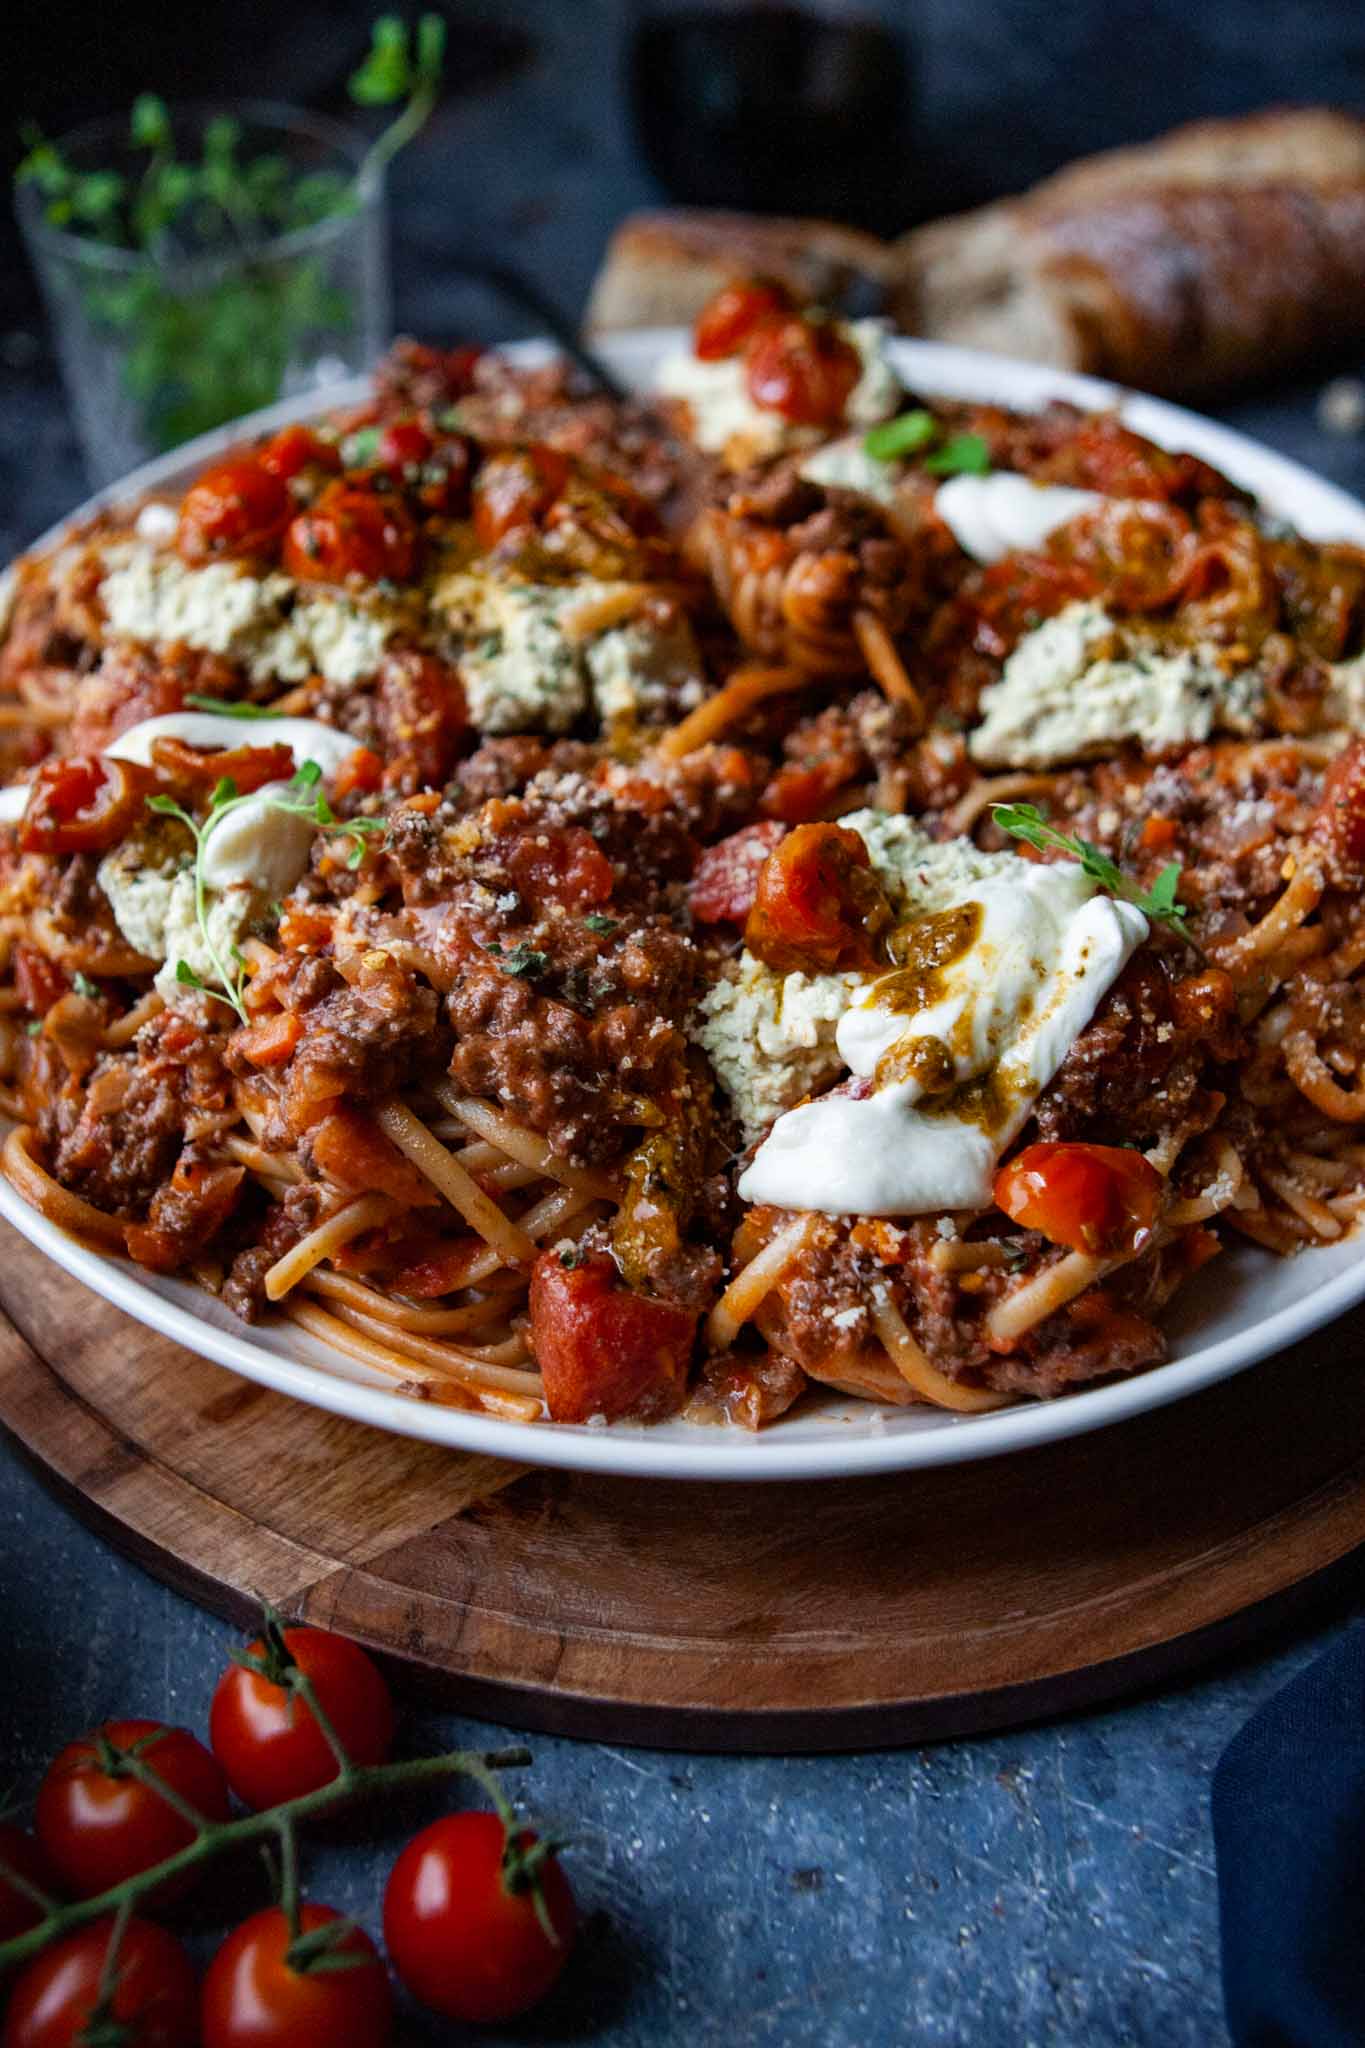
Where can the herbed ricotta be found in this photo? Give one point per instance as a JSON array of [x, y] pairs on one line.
[[269, 624], [523, 672], [722, 412], [770, 1037], [149, 882], [1080, 684]]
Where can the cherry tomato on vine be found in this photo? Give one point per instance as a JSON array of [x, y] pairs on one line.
[[254, 1997], [99, 1823], [239, 507], [265, 1736], [1092, 1198], [155, 1997], [20, 1853], [460, 1919]]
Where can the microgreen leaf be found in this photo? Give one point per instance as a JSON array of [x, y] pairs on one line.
[[307, 775], [901, 436], [596, 922], [223, 707], [964, 455], [1026, 822], [524, 962], [149, 125], [386, 73]]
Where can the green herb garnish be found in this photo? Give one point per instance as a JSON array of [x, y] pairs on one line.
[[222, 707], [204, 348], [83, 985], [964, 455], [34, 1026], [904, 435], [361, 447], [524, 962], [301, 799], [1026, 822], [596, 922]]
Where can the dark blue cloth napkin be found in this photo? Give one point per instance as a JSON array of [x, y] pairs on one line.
[[1289, 1834]]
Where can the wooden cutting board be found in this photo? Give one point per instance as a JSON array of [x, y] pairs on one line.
[[779, 1617]]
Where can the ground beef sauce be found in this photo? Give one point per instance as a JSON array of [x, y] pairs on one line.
[[550, 898]]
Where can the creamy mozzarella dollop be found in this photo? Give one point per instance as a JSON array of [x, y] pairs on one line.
[[953, 1046], [722, 411], [993, 516]]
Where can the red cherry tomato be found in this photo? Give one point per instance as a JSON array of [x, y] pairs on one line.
[[255, 1998], [461, 1928], [83, 803], [817, 905], [1092, 1198], [516, 488], [155, 1996], [20, 1853], [804, 369], [727, 320], [237, 508], [98, 1827], [265, 1737], [352, 530], [404, 444], [250, 768], [294, 449]]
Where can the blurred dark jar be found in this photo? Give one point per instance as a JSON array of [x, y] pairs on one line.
[[774, 108]]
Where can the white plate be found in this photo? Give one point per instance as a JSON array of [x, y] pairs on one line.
[[1239, 1310]]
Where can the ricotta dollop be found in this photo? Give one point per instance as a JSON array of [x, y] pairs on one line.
[[992, 516], [722, 411]]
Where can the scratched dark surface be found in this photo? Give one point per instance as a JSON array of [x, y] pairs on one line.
[[1053, 1885]]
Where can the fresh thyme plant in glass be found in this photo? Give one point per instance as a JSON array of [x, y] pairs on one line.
[[198, 263]]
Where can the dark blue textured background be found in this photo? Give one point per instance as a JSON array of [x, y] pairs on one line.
[[1052, 1886]]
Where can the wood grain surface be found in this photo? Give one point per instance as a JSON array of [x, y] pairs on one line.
[[815, 1616]]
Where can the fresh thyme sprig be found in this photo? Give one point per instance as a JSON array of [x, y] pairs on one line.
[[301, 798], [1159, 903]]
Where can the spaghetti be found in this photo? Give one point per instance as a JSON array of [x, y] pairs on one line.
[[462, 1066]]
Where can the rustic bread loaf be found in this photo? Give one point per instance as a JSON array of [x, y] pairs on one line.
[[1225, 252]]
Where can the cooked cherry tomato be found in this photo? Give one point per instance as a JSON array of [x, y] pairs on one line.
[[818, 906], [353, 530], [98, 1826], [1093, 1198], [83, 803], [727, 874], [460, 1920], [294, 449], [255, 1998], [265, 1737], [237, 508], [804, 369], [39, 982], [603, 1349], [559, 864], [250, 768], [404, 444], [516, 488], [727, 320], [20, 1853], [422, 714], [1339, 820], [155, 1997]]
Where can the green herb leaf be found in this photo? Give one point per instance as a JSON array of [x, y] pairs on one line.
[[360, 448], [386, 73], [1026, 822], [964, 455], [596, 922], [223, 707], [149, 125], [186, 975], [83, 985], [524, 962], [34, 1026], [307, 776], [902, 436]]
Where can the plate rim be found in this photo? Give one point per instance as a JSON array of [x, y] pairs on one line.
[[711, 1455]]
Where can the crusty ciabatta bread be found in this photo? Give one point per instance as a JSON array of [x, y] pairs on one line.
[[661, 268], [1225, 252]]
